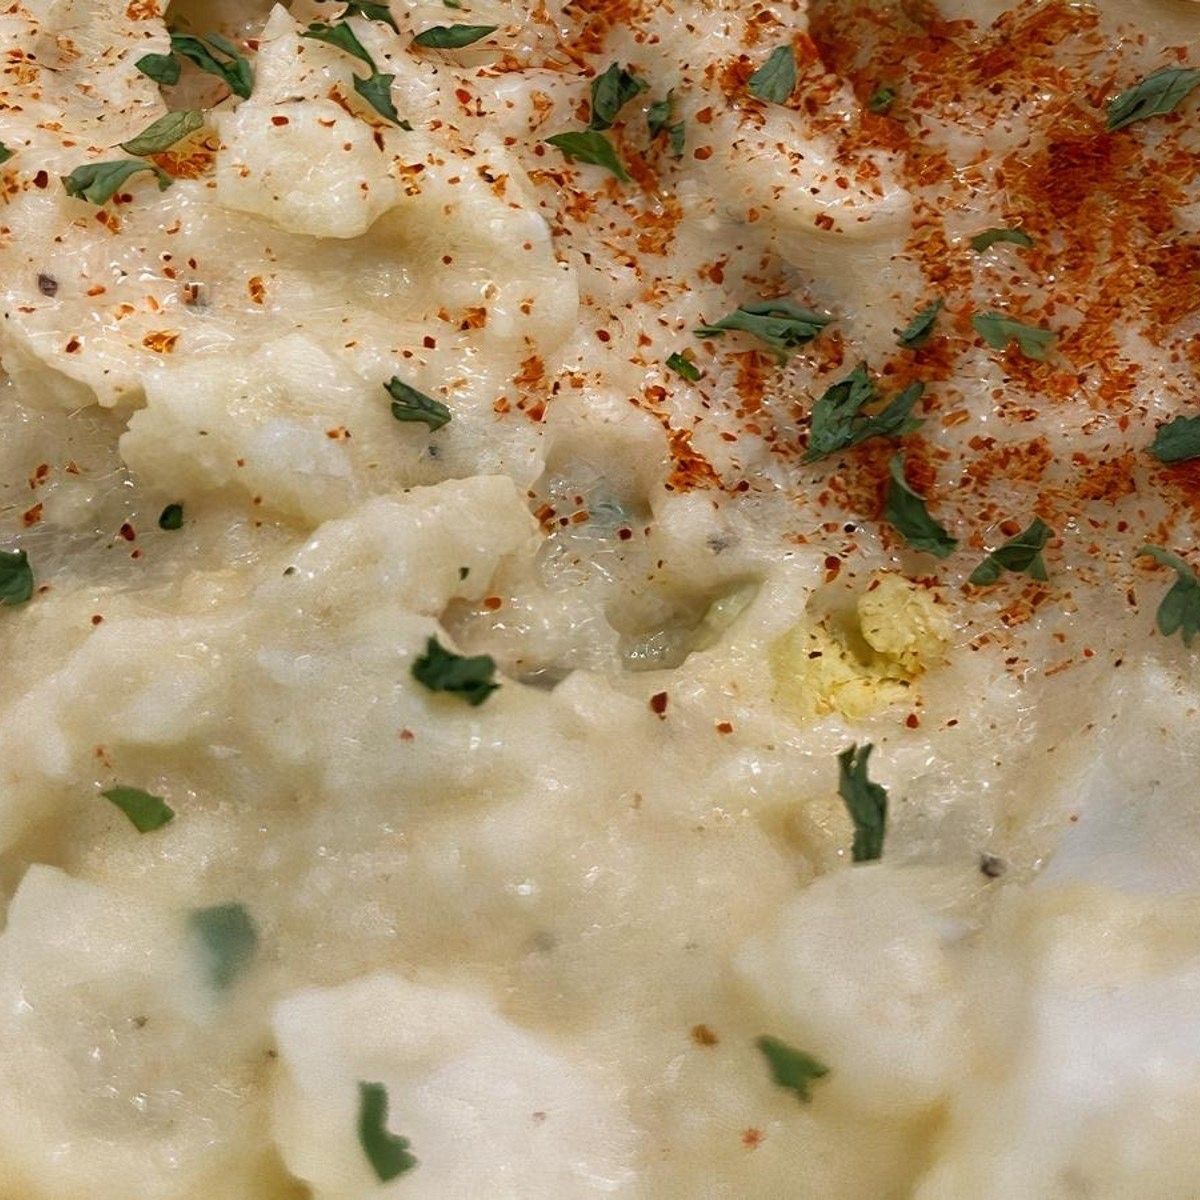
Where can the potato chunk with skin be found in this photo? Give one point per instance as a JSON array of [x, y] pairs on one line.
[[118, 1070], [309, 168], [487, 1108], [859, 971], [857, 664]]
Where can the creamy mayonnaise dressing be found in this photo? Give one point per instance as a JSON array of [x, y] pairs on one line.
[[552, 927]]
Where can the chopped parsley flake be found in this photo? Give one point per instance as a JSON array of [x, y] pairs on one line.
[[162, 68], [775, 80], [1158, 93], [905, 511], [410, 405], [386, 1152], [658, 120], [1022, 554], [441, 670], [611, 91], [881, 100], [1179, 611], [452, 37], [589, 146], [5, 153], [791, 1068], [16, 577], [684, 367], [372, 12], [1177, 441], [228, 941], [145, 811], [164, 132], [202, 51], [781, 324], [998, 330], [100, 182], [866, 802], [920, 329], [341, 36], [838, 422], [171, 517], [376, 90], [989, 237]]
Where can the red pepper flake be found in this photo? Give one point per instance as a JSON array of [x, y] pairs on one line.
[[96, 618], [492, 603], [31, 516], [703, 1036], [257, 289], [127, 532], [912, 721], [658, 705], [724, 726], [406, 735], [751, 1138], [161, 341]]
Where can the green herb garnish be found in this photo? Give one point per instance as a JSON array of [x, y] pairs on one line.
[[145, 811], [590, 147], [441, 670], [228, 940], [998, 330], [376, 90], [881, 100], [99, 182], [989, 237], [1179, 611], [905, 511], [866, 802], [920, 329], [16, 577], [386, 1152], [684, 367], [372, 12], [1177, 440], [5, 153], [341, 36], [775, 80], [202, 51], [162, 68], [171, 517], [658, 120], [611, 91], [1022, 554], [791, 1068], [452, 37], [164, 132], [838, 421], [410, 405], [780, 323], [1156, 94]]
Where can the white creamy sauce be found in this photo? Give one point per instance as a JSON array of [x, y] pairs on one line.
[[554, 925]]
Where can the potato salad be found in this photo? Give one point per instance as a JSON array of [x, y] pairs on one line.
[[598, 598]]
